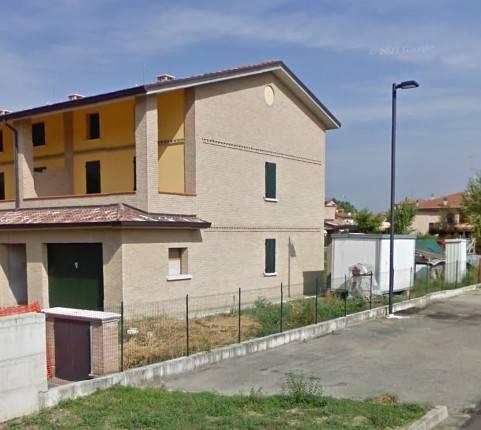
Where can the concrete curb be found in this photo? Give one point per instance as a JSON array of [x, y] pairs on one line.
[[431, 419], [154, 373]]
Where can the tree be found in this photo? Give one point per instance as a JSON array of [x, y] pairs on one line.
[[345, 206], [472, 204], [447, 218], [367, 222], [404, 214]]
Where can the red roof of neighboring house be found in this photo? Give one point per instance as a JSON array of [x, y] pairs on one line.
[[113, 214], [454, 201]]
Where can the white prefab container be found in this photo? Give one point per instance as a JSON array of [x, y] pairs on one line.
[[456, 259], [372, 250]]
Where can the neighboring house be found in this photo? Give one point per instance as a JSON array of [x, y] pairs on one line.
[[336, 220], [195, 185], [441, 215]]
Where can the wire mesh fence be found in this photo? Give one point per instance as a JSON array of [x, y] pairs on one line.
[[169, 329]]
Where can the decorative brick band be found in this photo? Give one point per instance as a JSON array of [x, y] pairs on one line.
[[260, 151]]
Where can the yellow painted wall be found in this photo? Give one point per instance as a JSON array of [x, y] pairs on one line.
[[116, 171], [114, 149], [171, 115], [6, 163]]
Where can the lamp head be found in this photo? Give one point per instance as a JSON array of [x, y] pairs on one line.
[[406, 85]]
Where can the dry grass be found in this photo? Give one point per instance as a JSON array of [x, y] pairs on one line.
[[161, 339]]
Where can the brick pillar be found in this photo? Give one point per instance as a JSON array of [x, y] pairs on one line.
[[25, 160], [49, 325], [5, 294], [68, 148], [105, 347], [190, 144], [146, 150], [37, 277]]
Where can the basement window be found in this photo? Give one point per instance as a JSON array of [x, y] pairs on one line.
[[38, 134], [39, 169], [177, 269], [93, 126]]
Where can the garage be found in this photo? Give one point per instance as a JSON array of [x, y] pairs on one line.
[[75, 275]]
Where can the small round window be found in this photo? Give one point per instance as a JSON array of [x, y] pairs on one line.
[[269, 95]]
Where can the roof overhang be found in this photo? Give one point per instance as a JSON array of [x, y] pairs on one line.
[[278, 68]]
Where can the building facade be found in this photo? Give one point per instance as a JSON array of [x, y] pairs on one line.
[[196, 185], [441, 215]]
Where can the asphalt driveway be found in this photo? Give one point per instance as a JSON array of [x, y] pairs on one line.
[[430, 356]]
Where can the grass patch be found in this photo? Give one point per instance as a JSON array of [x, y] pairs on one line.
[[295, 408], [164, 338]]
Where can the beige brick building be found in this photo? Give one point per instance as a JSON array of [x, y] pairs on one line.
[[196, 185]]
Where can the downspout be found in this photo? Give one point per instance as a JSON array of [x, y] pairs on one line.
[[17, 176]]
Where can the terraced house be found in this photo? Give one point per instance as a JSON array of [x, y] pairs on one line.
[[195, 185]]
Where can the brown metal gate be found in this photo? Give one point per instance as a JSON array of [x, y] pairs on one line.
[[72, 349]]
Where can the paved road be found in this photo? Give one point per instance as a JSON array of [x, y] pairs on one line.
[[432, 356]]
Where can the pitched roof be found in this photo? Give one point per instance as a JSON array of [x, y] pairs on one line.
[[114, 214], [454, 201], [275, 66]]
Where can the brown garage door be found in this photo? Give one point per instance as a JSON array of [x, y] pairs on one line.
[[72, 349]]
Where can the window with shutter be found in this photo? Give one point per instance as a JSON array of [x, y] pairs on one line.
[[178, 268], [270, 180], [1, 141], [270, 266], [175, 261]]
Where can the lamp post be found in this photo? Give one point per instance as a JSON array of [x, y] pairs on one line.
[[403, 86]]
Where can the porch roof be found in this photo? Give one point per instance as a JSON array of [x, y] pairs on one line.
[[118, 214]]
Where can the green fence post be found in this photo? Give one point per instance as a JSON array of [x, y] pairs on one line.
[[122, 336], [187, 323], [345, 295], [282, 307], [317, 300], [370, 291], [457, 273], [239, 304]]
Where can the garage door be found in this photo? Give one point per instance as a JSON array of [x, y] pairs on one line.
[[75, 275]]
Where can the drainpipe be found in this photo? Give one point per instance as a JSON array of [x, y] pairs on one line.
[[17, 177]]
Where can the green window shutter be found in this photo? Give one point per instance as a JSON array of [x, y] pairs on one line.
[[270, 256], [270, 180]]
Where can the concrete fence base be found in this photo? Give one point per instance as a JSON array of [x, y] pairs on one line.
[[431, 419], [153, 373]]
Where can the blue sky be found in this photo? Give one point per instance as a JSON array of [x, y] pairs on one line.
[[348, 52]]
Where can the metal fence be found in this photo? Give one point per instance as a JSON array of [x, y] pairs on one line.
[[168, 329]]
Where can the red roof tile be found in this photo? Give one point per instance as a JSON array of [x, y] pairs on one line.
[[454, 201], [114, 214]]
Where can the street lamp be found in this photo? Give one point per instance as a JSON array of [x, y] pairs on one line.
[[406, 85]]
